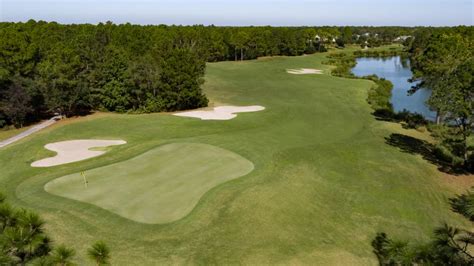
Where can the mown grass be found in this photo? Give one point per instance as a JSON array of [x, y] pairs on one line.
[[8, 133], [160, 186], [324, 183]]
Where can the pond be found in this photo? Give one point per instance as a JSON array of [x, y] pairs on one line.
[[397, 70]]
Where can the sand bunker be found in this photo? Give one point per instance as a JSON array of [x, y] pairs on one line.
[[221, 112], [74, 151], [304, 71]]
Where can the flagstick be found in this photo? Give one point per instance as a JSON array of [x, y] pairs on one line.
[[85, 180]]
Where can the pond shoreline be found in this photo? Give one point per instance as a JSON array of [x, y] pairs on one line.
[[397, 70]]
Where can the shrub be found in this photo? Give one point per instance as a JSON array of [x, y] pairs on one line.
[[413, 120], [344, 63], [444, 154], [379, 95]]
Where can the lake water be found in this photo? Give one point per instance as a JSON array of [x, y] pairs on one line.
[[398, 72]]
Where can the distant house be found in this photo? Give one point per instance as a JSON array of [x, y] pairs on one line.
[[365, 45], [402, 38]]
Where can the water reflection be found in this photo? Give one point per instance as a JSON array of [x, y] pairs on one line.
[[397, 70]]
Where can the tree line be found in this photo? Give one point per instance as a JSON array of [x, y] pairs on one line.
[[443, 61], [48, 68]]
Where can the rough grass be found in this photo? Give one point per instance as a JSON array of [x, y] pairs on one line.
[[159, 186], [8, 133], [324, 183]]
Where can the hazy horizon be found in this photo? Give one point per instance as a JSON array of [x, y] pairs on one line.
[[244, 12]]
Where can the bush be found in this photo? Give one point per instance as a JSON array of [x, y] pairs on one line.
[[340, 42], [379, 53], [380, 94], [344, 63], [384, 114], [413, 120], [153, 104], [444, 154], [438, 131]]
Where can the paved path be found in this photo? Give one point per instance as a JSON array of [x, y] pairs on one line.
[[29, 131]]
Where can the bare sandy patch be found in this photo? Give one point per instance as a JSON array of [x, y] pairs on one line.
[[304, 71], [74, 151], [221, 112]]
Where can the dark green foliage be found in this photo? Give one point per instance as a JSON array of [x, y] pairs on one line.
[[48, 68], [343, 62], [23, 240], [22, 237], [182, 77], [62, 256], [340, 43], [379, 53], [72, 69], [449, 245], [99, 253], [443, 60], [464, 205], [412, 120], [374, 42], [346, 36], [379, 95], [16, 103]]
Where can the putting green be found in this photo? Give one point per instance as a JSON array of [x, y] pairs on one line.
[[325, 179], [159, 186]]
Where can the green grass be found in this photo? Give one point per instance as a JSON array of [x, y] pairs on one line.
[[159, 186], [8, 133], [324, 182]]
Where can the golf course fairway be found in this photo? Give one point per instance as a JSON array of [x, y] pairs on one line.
[[324, 179], [157, 186]]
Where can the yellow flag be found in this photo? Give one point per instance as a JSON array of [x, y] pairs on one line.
[[85, 180]]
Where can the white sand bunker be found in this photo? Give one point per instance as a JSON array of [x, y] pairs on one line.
[[221, 112], [304, 71], [74, 151]]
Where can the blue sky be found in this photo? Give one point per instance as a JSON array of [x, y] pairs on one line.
[[244, 12]]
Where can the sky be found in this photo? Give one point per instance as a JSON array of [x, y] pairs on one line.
[[245, 12]]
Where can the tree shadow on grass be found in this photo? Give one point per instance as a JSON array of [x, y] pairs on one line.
[[425, 149], [407, 119]]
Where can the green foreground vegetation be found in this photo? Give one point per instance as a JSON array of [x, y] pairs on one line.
[[325, 180]]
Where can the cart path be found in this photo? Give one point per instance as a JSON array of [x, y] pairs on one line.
[[30, 131]]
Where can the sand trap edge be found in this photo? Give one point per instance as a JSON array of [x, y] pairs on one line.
[[72, 151], [304, 71], [221, 112]]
